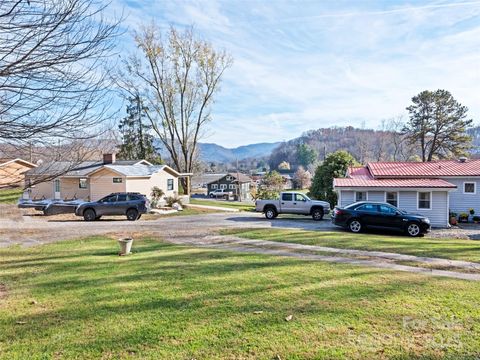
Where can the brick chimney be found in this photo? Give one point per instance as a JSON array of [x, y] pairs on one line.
[[109, 158]]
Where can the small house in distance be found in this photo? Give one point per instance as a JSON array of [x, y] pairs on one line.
[[229, 182], [92, 180], [12, 172]]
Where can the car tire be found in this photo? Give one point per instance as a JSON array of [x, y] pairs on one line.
[[89, 215], [132, 214], [413, 229], [98, 217], [211, 196], [355, 226], [270, 213], [317, 214]]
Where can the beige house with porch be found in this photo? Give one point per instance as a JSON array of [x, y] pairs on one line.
[[12, 172], [92, 180]]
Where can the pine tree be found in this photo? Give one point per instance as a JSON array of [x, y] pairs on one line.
[[137, 141], [438, 125]]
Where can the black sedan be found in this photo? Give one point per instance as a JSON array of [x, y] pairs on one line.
[[360, 215], [131, 205]]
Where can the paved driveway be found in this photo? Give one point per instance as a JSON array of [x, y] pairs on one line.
[[38, 229]]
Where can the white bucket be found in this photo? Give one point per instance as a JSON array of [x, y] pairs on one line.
[[125, 245]]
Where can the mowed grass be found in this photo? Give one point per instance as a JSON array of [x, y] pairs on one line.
[[10, 196], [242, 206], [468, 250], [78, 299]]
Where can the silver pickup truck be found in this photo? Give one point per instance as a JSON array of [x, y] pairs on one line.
[[293, 203]]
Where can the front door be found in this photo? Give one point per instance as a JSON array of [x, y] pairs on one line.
[[56, 188]]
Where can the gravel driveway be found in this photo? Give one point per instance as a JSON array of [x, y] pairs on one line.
[[33, 230]]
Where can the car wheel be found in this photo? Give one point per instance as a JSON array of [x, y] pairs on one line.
[[413, 229], [211, 196], [355, 226], [89, 215], [132, 214], [270, 213], [317, 214]]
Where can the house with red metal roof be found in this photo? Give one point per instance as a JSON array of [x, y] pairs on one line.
[[432, 189]]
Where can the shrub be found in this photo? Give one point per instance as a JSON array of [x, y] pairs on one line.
[[173, 200], [476, 218], [471, 211], [463, 216], [157, 194]]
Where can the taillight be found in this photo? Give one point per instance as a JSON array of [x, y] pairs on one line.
[[337, 211]]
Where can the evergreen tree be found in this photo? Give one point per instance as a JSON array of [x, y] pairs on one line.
[[438, 124], [334, 166], [137, 141]]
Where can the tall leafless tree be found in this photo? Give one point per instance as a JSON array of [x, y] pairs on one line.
[[179, 75], [53, 85]]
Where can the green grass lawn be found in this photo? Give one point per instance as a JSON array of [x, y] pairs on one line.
[[468, 250], [242, 206], [78, 299], [10, 196]]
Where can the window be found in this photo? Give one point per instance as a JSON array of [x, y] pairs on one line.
[[223, 186], [424, 200], [229, 178], [391, 198], [360, 195], [169, 184], [57, 185], [232, 186], [82, 183], [300, 197], [384, 209], [214, 186], [122, 197], [469, 188], [117, 180], [109, 199], [287, 197], [367, 207]]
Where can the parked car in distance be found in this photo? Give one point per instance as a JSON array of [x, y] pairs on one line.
[[365, 214], [293, 203], [131, 205], [220, 193]]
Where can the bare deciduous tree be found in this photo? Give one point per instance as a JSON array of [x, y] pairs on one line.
[[179, 75], [53, 83]]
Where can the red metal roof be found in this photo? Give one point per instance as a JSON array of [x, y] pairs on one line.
[[392, 183], [425, 170]]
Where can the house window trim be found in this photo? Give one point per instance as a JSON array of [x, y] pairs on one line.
[[117, 182], [474, 187], [172, 183], [355, 196], [214, 186], [398, 198], [223, 187], [232, 187], [80, 183], [418, 199]]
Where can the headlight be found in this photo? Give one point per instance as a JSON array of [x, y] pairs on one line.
[[426, 221]]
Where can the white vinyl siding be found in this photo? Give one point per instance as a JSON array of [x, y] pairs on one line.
[[376, 196], [460, 201]]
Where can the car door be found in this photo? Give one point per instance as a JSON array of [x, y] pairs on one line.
[[302, 206], [106, 206], [368, 214], [288, 203], [121, 204], [389, 217]]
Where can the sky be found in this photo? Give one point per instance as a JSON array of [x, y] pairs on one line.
[[302, 65]]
